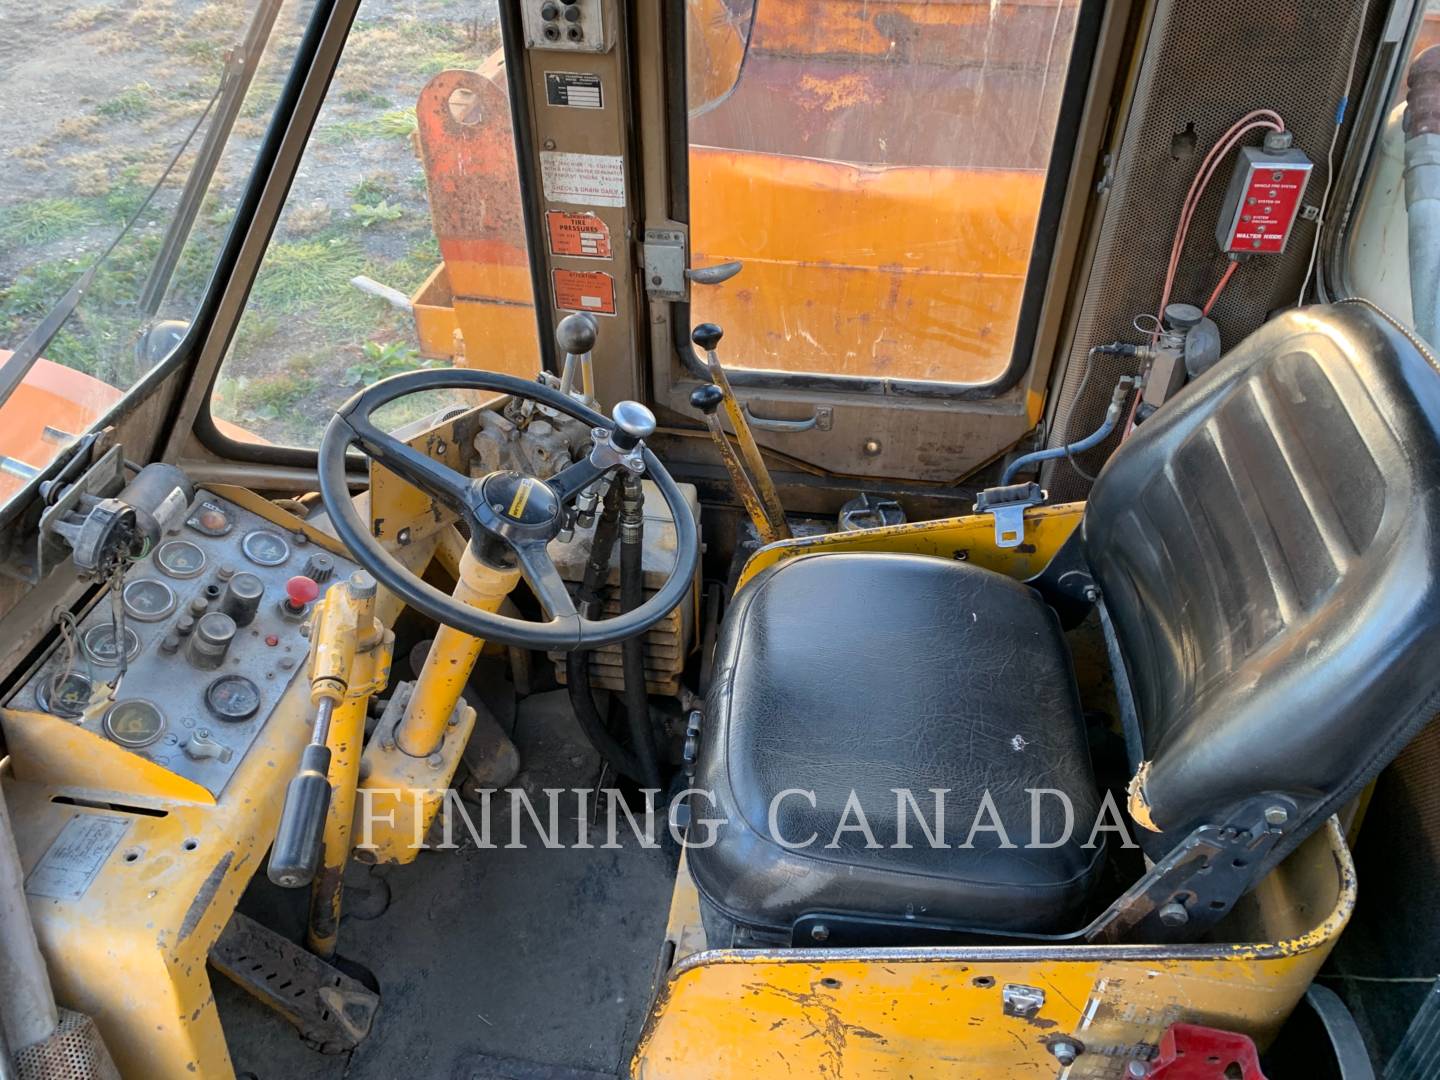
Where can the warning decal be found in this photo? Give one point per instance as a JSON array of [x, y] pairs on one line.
[[573, 89], [582, 235], [75, 857], [593, 179], [585, 290]]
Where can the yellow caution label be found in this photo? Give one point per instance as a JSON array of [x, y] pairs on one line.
[[522, 497]]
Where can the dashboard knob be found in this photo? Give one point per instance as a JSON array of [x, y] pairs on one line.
[[241, 599], [319, 568], [211, 640], [300, 591]]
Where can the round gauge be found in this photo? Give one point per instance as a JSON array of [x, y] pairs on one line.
[[99, 645], [134, 723], [66, 696], [265, 547], [233, 697], [180, 559], [148, 599]]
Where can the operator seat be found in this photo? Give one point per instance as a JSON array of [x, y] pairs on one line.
[[1266, 550]]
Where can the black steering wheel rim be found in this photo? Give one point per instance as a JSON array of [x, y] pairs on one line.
[[350, 426]]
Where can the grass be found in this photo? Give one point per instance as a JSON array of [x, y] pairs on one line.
[[133, 103], [394, 124], [302, 274], [42, 220]]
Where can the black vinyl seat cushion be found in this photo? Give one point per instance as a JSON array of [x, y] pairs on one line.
[[866, 673]]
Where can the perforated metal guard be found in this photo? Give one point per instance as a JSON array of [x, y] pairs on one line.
[[73, 1052], [1206, 63]]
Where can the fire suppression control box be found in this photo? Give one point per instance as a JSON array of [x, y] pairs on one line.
[[1263, 198]]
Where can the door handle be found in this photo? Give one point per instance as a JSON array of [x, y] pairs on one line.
[[820, 421]]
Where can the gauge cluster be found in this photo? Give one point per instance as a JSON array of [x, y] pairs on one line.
[[210, 642]]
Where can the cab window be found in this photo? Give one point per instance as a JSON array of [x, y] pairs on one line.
[[879, 169], [352, 287], [128, 133]]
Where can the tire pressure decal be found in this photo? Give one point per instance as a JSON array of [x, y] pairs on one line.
[[584, 290], [582, 235]]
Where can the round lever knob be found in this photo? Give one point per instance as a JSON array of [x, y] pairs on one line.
[[576, 333], [707, 335], [633, 423], [299, 591], [707, 398]]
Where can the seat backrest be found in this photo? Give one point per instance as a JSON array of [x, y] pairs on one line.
[[1267, 549]]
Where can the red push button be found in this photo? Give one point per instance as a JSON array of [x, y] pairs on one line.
[[300, 590]]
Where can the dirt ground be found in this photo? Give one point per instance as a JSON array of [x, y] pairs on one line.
[[94, 102]]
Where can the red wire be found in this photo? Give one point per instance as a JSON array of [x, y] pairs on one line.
[[1224, 280]]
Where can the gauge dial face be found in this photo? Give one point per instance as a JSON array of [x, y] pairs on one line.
[[265, 547], [134, 723], [180, 559], [233, 697], [67, 697], [99, 645], [148, 599]]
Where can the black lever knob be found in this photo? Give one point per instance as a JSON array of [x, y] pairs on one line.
[[633, 423], [576, 333], [296, 852], [707, 398], [707, 335]]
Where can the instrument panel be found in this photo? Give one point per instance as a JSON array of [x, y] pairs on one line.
[[210, 638]]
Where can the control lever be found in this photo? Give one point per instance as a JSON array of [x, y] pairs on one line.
[[349, 660], [708, 399], [575, 335], [707, 336]]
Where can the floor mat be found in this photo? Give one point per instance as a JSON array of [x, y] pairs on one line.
[[542, 957]]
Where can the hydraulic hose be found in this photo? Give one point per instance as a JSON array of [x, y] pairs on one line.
[[1094, 439], [577, 663], [632, 649]]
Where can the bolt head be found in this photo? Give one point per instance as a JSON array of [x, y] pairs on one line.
[[1174, 914], [1276, 816], [1065, 1051], [435, 761], [820, 932]]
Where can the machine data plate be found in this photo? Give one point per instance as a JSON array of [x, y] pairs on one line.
[[204, 735]]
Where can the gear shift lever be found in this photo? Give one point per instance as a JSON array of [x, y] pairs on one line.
[[575, 335]]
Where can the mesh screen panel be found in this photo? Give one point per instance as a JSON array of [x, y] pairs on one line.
[[74, 1051], [1206, 64]]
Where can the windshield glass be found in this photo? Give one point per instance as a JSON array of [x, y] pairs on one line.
[[128, 131]]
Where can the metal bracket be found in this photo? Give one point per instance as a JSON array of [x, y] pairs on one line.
[[1017, 999], [665, 277], [1007, 505], [105, 477], [1194, 886], [332, 1011]]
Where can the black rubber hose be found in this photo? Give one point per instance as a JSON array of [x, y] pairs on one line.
[[632, 649], [590, 600]]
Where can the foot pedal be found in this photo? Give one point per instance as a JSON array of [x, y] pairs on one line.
[[332, 1011]]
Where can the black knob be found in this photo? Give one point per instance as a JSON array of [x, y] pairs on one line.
[[296, 852], [320, 568], [707, 335], [211, 640], [549, 12], [572, 14], [706, 398], [241, 599], [576, 333]]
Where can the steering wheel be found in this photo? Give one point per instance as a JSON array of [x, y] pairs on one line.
[[518, 515]]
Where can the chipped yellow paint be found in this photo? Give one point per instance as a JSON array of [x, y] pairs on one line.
[[971, 538], [1138, 804], [937, 1012]]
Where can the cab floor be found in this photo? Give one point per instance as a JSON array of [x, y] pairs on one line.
[[513, 964]]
